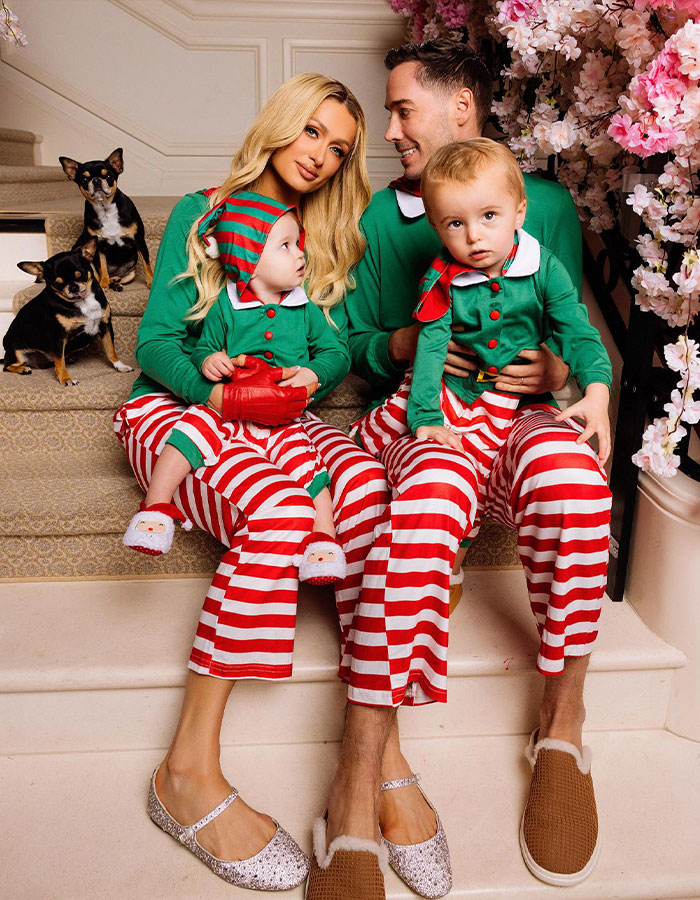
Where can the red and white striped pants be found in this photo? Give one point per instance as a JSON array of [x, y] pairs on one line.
[[542, 483], [482, 427], [246, 628], [287, 446]]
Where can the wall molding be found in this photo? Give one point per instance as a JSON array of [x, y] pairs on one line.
[[117, 119], [292, 47]]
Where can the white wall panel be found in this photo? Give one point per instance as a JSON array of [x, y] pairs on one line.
[[178, 82]]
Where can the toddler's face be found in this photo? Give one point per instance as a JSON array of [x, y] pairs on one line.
[[476, 221], [281, 265]]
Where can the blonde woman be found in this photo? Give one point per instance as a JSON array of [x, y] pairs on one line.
[[306, 149]]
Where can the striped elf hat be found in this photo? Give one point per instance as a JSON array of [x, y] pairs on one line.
[[235, 231]]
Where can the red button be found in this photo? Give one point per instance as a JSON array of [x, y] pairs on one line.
[[268, 335], [493, 343], [493, 370], [271, 314], [495, 314], [495, 286], [267, 354]]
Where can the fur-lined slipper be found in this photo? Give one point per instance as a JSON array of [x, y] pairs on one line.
[[321, 559], [456, 582], [152, 528], [559, 836], [351, 869]]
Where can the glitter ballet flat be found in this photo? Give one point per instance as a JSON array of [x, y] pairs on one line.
[[280, 865], [424, 867]]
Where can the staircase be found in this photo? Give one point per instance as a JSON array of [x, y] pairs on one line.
[[95, 640]]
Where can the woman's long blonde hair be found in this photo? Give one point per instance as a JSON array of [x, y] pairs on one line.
[[330, 215]]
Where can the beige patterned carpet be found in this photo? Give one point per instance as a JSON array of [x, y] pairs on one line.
[[68, 492]]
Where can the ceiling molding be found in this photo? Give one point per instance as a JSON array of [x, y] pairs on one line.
[[321, 11]]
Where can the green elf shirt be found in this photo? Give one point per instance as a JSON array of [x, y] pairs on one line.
[[165, 339], [400, 247], [292, 332], [500, 316]]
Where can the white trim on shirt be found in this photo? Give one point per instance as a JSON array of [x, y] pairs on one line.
[[296, 297]]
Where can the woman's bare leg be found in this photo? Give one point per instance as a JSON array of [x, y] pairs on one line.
[[190, 782], [404, 816]]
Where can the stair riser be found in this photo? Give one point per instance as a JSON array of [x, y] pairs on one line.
[[24, 192], [62, 232], [312, 712], [68, 430]]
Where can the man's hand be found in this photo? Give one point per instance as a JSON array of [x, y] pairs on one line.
[[460, 360], [402, 344], [303, 377], [439, 434], [546, 372], [217, 366], [593, 409]]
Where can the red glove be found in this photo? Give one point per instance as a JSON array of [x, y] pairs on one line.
[[256, 371], [254, 396]]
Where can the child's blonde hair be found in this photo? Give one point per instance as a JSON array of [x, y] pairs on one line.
[[330, 215], [463, 161]]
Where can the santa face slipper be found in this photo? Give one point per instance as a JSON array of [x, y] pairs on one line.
[[321, 559], [151, 530], [559, 836], [351, 868]]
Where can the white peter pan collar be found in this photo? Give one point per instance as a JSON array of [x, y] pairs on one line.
[[296, 297], [526, 262], [410, 205]]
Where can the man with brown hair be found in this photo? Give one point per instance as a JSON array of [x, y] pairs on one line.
[[543, 484]]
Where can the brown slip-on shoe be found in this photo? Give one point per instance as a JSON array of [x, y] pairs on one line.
[[351, 869], [559, 836]]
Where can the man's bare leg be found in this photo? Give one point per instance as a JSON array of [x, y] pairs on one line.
[[562, 712], [353, 803]]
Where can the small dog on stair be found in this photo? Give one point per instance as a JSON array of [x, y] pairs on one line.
[[111, 217], [63, 319]]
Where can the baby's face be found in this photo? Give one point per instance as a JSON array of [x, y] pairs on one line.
[[476, 221], [281, 265]]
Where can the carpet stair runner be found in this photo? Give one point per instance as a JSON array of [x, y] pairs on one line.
[[68, 490]]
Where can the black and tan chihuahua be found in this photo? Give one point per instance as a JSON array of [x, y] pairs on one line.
[[63, 319], [111, 217]]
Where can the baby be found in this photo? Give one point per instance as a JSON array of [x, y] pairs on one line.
[[496, 291], [263, 317]]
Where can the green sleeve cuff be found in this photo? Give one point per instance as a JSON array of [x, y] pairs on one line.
[[321, 481], [594, 378], [188, 449]]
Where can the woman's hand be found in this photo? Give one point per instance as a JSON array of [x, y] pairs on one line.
[[303, 377], [593, 409], [545, 373], [439, 434], [218, 365]]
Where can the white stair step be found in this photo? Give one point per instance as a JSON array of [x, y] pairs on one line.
[[79, 828], [83, 658]]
